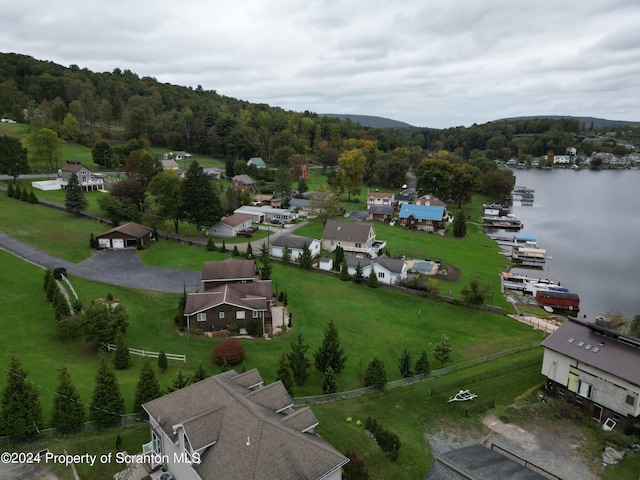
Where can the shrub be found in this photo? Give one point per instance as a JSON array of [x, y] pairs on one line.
[[10, 191], [32, 198], [58, 272], [210, 245], [235, 251], [93, 241], [229, 351], [25, 195]]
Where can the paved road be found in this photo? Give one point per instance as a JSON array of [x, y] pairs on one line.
[[117, 267]]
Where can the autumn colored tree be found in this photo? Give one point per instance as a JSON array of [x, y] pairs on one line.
[[352, 167]]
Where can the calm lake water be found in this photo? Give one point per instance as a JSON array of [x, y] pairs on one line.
[[589, 223]]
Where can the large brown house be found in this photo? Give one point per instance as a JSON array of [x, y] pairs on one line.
[[230, 294]]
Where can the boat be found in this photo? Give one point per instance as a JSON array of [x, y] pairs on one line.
[[525, 284], [526, 196], [530, 257], [547, 309]]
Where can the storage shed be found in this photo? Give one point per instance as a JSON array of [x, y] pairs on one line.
[[125, 236]]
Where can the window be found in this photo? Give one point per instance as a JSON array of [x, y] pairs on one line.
[[380, 274], [256, 314], [240, 315], [220, 314], [585, 389], [358, 245], [202, 317], [631, 400]]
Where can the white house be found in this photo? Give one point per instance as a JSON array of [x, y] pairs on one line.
[[388, 270], [597, 368], [229, 227], [295, 245], [265, 214]]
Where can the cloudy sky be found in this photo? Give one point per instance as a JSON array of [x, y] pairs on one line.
[[425, 62]]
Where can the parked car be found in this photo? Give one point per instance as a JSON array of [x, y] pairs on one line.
[[275, 221]]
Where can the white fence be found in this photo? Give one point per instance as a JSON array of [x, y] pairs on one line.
[[146, 353]]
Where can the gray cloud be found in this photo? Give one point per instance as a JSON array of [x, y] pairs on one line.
[[429, 63]]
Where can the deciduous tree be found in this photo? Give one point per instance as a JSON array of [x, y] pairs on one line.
[[442, 351], [352, 167], [44, 146], [166, 188], [376, 374], [13, 158]]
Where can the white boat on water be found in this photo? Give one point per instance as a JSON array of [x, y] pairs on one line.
[[529, 285]]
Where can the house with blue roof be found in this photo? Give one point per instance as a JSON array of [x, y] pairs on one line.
[[258, 162], [422, 217]]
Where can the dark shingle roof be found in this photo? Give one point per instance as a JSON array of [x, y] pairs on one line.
[[230, 269], [235, 220], [250, 295], [613, 356], [395, 265], [381, 209], [132, 229], [478, 462], [251, 440], [292, 241]]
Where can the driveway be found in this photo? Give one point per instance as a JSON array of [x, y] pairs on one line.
[[116, 267]]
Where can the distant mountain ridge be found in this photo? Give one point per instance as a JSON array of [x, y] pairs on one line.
[[368, 120], [597, 122]]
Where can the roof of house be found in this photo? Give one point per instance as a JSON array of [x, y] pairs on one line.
[[132, 229], [379, 195], [292, 241], [394, 265], [598, 347], [72, 166], [347, 231], [381, 209], [430, 200], [299, 202], [228, 270], [246, 179], [169, 163], [257, 161], [422, 212], [399, 197], [479, 462], [235, 219], [251, 440], [250, 296]]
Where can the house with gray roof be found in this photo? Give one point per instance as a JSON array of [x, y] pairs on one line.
[[243, 182], [356, 238], [295, 245], [381, 213], [234, 427], [596, 368], [388, 270], [257, 162], [228, 227]]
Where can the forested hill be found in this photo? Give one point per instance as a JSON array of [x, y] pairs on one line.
[[369, 120], [590, 122]]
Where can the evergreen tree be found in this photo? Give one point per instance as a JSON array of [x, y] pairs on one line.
[[329, 381], [211, 246], [330, 354], [298, 361], [180, 381], [68, 412], [372, 281], [32, 198], [199, 375], [286, 255], [93, 242], [235, 252], [52, 288], [359, 276], [102, 322], [442, 351], [223, 248], [339, 253], [74, 200], [17, 193], [147, 387], [60, 305], [344, 271], [20, 412], [201, 204], [422, 364], [249, 250], [107, 405], [121, 359], [25, 195], [284, 374], [163, 363], [404, 364], [376, 374], [306, 259], [48, 278], [459, 226], [265, 271], [10, 191]]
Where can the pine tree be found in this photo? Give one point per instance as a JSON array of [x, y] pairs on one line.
[[74, 200], [284, 374], [201, 204], [286, 255], [359, 276], [298, 361], [48, 277], [68, 411], [181, 381], [20, 412], [265, 271], [52, 288], [344, 271], [235, 252], [339, 253], [17, 193], [249, 250], [330, 354], [372, 281], [223, 248], [211, 247], [60, 305], [199, 375], [25, 195], [107, 404], [422, 364], [147, 387], [459, 226], [306, 259], [121, 359], [329, 381], [163, 363], [376, 374], [32, 198], [404, 364], [10, 191]]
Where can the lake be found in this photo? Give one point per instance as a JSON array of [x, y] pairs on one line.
[[589, 223]]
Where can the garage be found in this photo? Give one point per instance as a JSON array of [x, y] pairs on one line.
[[130, 235]]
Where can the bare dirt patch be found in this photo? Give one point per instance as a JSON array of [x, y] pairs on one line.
[[556, 448]]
